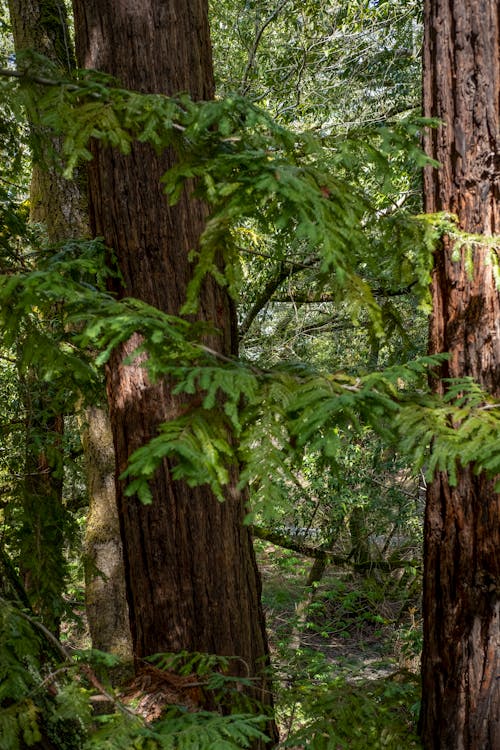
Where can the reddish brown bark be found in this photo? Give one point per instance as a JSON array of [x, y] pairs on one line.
[[461, 657], [191, 574]]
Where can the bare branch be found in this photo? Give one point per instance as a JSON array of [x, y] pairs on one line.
[[319, 553], [252, 54]]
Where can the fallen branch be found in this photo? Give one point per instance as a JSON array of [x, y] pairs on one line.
[[320, 553]]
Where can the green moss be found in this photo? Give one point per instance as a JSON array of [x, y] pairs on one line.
[[54, 21]]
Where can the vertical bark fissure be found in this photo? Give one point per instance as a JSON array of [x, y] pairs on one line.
[[461, 661], [192, 579]]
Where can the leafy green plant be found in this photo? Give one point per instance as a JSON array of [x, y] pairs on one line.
[[375, 714], [246, 166], [46, 697]]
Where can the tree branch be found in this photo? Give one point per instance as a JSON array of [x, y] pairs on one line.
[[244, 87], [313, 299], [265, 295], [319, 553], [27, 76], [70, 662]]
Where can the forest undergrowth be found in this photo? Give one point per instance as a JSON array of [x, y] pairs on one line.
[[350, 646], [344, 667]]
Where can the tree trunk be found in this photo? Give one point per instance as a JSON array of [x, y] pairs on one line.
[[42, 27], [461, 657], [42, 564], [105, 596], [360, 549], [57, 203], [192, 580], [61, 206]]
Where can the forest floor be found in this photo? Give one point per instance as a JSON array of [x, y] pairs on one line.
[[346, 650], [351, 647], [362, 624]]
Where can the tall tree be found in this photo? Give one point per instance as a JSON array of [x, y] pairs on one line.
[[41, 27], [192, 580], [461, 658], [60, 205]]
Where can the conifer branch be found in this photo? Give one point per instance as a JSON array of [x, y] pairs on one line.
[[316, 299], [25, 75]]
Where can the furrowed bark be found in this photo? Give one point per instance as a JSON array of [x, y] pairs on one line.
[[192, 580], [461, 658]]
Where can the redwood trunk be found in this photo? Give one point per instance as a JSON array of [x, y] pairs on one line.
[[192, 580], [461, 663]]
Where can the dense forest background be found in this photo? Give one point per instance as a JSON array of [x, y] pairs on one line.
[[228, 377]]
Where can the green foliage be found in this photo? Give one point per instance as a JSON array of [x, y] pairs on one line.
[[28, 712], [179, 730], [246, 166], [378, 714], [218, 676], [32, 294], [187, 663], [46, 379], [276, 414], [322, 207], [364, 504], [462, 429], [19, 725], [410, 641], [288, 410], [45, 701], [330, 65], [347, 608], [249, 169], [331, 648], [21, 655], [202, 730]]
